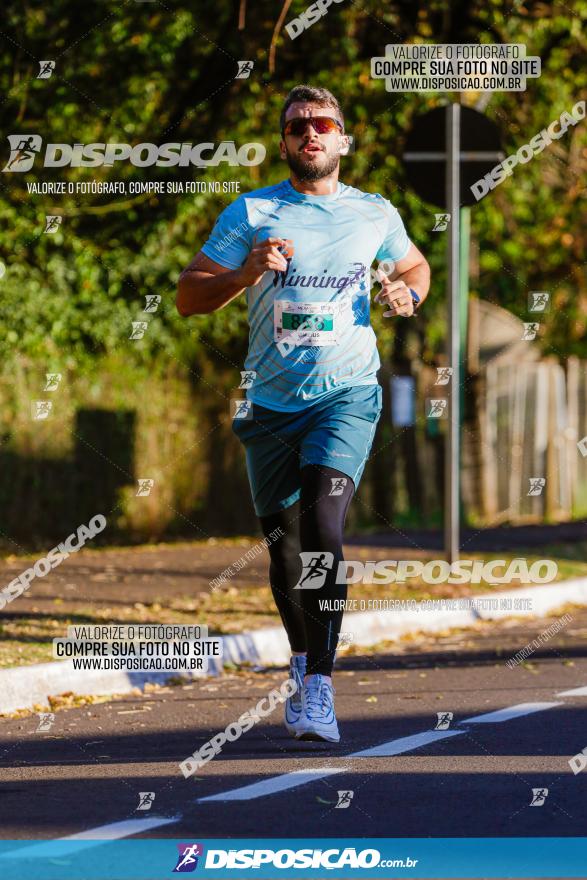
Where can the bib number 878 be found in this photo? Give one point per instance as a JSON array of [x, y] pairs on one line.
[[307, 322]]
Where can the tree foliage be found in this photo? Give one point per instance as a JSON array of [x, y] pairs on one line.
[[165, 72]]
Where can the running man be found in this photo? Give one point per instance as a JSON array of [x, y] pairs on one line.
[[301, 251]]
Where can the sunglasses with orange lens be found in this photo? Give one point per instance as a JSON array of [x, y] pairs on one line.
[[320, 124]]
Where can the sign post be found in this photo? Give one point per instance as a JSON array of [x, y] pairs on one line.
[[452, 455], [447, 150]]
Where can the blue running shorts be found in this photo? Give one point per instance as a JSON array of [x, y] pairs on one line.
[[336, 431]]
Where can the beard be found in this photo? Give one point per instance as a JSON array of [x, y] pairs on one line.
[[305, 169]]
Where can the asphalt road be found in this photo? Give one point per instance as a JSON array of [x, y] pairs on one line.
[[473, 779]]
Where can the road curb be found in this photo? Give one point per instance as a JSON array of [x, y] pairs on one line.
[[22, 688]]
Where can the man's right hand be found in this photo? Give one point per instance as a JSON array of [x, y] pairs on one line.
[[206, 285], [264, 257]]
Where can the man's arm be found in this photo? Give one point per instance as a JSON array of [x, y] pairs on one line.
[[205, 286], [412, 271]]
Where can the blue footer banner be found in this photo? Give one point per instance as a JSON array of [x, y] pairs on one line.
[[142, 859]]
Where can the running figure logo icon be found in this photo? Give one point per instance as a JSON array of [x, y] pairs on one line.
[[144, 487], [444, 374], [444, 719], [530, 331], [138, 329], [338, 484], [53, 380], [146, 800], [247, 378], [188, 857], [441, 222], [539, 795], [315, 569], [46, 69], [152, 301], [23, 149], [52, 223], [537, 484], [345, 638], [344, 799], [244, 69], [538, 300], [242, 409], [46, 720], [437, 408], [41, 409]]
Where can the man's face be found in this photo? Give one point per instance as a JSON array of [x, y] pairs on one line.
[[311, 156]]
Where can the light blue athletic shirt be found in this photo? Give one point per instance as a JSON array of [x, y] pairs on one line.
[[336, 238]]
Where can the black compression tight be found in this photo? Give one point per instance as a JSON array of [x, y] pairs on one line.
[[315, 525]]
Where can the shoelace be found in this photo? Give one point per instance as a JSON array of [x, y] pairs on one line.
[[298, 676], [300, 672], [317, 698]]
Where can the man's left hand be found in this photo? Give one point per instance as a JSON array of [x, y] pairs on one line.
[[396, 295]]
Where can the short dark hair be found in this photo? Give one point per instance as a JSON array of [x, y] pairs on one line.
[[313, 94]]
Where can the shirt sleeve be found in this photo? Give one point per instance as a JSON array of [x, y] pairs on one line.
[[229, 243], [396, 243]]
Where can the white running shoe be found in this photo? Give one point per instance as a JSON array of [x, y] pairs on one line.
[[318, 720], [293, 704]]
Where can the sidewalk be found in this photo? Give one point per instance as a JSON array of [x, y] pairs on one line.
[[30, 686], [171, 583]]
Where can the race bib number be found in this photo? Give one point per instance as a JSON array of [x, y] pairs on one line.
[[305, 323]]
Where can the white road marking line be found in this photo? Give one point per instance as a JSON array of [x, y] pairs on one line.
[[575, 692], [510, 712], [301, 777], [405, 744], [273, 784], [63, 846], [393, 747], [128, 827]]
